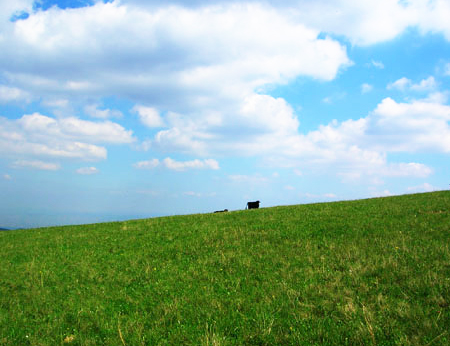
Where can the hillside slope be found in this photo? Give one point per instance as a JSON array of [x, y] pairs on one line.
[[366, 272]]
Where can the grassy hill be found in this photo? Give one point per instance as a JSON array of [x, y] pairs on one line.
[[369, 272]]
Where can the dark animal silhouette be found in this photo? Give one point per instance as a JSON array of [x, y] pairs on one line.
[[252, 205], [221, 211]]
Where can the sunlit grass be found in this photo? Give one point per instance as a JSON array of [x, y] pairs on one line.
[[371, 272]]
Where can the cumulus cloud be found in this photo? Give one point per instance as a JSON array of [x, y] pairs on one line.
[[268, 127], [9, 94], [384, 193], [200, 66], [417, 126], [87, 170], [425, 187], [150, 164], [372, 21], [411, 169], [195, 164], [400, 84], [149, 116], [317, 196], [205, 67], [201, 55], [36, 164], [405, 84], [197, 56], [425, 85], [56, 103], [358, 148], [94, 111], [257, 124], [377, 64], [9, 9], [178, 165], [432, 16], [39, 135]]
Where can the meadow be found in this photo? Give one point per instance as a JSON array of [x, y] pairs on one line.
[[367, 272]]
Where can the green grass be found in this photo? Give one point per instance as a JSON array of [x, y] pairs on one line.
[[370, 272]]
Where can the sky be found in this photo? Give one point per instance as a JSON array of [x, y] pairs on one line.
[[123, 109]]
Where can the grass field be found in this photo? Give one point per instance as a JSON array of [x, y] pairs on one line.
[[369, 272]]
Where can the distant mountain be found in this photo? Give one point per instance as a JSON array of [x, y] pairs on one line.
[[4, 229]]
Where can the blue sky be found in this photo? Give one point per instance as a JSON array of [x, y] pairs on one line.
[[131, 109]]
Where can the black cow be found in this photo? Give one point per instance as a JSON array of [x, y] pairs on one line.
[[221, 211], [252, 205]]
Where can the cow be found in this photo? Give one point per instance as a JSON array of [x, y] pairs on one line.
[[252, 205]]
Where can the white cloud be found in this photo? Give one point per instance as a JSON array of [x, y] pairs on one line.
[[99, 132], [377, 64], [363, 22], [330, 195], [317, 196], [384, 193], [9, 94], [149, 116], [150, 164], [425, 85], [56, 103], [355, 148], [425, 187], [87, 170], [93, 111], [178, 165], [366, 88], [409, 127], [39, 135], [201, 67], [439, 97], [9, 9], [200, 55], [172, 58], [359, 149], [400, 84], [267, 114], [432, 16], [195, 164], [404, 84], [36, 164], [411, 169], [372, 21], [205, 68], [252, 126], [7, 177]]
